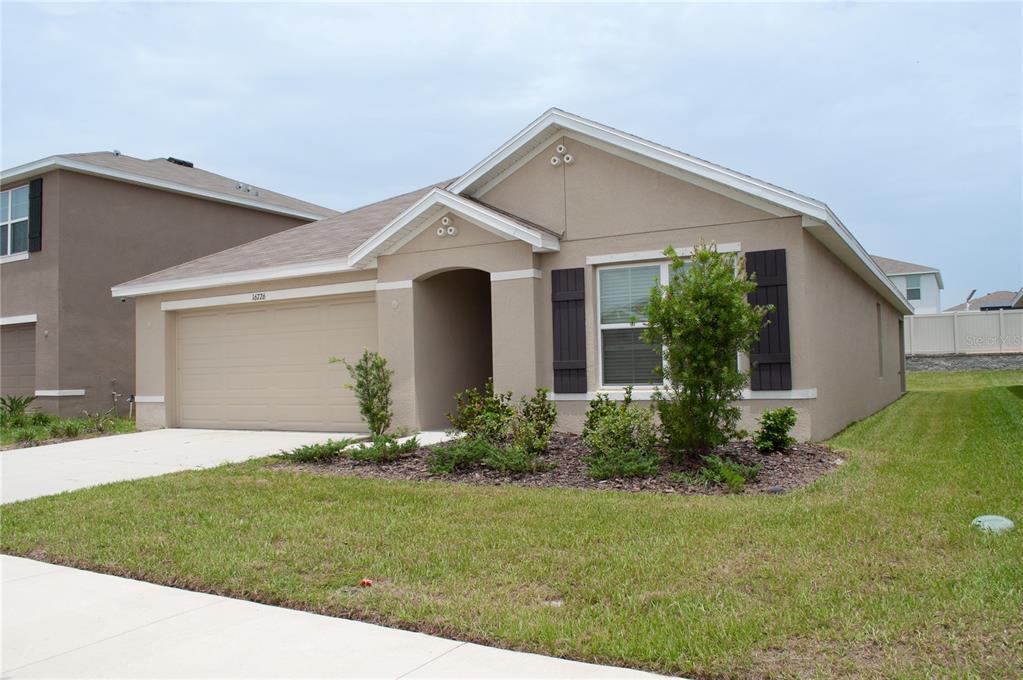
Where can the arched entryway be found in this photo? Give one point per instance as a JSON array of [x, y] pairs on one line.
[[453, 340]]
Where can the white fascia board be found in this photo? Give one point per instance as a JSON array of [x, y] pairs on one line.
[[60, 163], [257, 297], [473, 212], [336, 266], [20, 318], [641, 255], [394, 285]]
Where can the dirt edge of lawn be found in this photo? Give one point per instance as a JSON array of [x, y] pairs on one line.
[[347, 613], [782, 472]]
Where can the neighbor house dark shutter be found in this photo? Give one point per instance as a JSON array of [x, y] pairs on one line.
[[569, 309], [770, 357], [35, 215]]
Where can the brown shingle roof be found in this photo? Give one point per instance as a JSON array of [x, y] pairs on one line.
[[327, 239], [163, 170], [998, 298], [892, 267]]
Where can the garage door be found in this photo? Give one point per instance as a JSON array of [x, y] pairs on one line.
[[18, 359], [265, 366]]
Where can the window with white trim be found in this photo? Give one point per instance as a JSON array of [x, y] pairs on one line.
[[623, 292], [913, 287], [14, 221]]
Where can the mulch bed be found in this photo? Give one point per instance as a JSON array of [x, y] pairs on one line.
[[781, 472]]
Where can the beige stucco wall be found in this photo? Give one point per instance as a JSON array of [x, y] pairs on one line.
[[98, 233], [844, 340]]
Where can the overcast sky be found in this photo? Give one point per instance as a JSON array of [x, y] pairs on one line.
[[905, 118]]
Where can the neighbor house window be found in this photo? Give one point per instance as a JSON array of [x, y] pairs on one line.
[[624, 292], [14, 221], [913, 287]]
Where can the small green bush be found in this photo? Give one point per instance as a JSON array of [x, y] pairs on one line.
[[622, 439], [622, 463], [98, 422], [382, 449], [483, 414], [773, 433], [67, 428], [461, 454], [372, 387], [25, 434], [534, 423], [718, 471], [514, 459], [317, 453], [41, 419], [14, 411]]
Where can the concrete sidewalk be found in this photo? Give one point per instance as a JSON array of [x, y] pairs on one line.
[[63, 622]]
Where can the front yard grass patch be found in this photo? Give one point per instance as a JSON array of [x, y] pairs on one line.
[[870, 571]]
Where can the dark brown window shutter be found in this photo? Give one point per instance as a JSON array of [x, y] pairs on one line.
[[770, 357], [568, 292], [35, 215]]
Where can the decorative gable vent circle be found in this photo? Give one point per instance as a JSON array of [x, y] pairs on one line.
[[440, 231], [568, 159], [445, 221], [560, 148], [555, 160]]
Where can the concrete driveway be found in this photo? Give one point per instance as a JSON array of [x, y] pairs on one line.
[[45, 470]]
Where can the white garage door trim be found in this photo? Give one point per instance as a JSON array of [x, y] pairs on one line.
[[270, 295]]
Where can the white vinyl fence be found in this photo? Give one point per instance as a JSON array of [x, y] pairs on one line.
[[965, 332]]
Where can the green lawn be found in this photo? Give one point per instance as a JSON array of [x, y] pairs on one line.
[[872, 571]]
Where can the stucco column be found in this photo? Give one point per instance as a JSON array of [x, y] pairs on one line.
[[154, 364], [396, 343], [514, 322]]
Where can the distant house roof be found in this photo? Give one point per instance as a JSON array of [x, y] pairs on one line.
[[900, 268], [317, 248], [999, 298], [178, 177]]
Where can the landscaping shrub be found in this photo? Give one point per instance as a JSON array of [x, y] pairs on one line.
[[41, 419], [483, 414], [382, 449], [14, 411], [372, 387], [773, 433], [622, 439], [533, 424], [317, 453], [98, 422], [67, 428], [24, 433], [459, 455], [701, 320], [514, 459], [718, 471]]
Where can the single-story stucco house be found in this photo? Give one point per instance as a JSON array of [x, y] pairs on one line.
[[526, 268]]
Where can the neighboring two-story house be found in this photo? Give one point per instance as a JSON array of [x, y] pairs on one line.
[[71, 226], [922, 285]]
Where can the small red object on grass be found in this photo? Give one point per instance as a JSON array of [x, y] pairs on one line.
[[365, 583]]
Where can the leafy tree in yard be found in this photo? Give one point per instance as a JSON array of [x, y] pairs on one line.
[[701, 319], [372, 386]]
